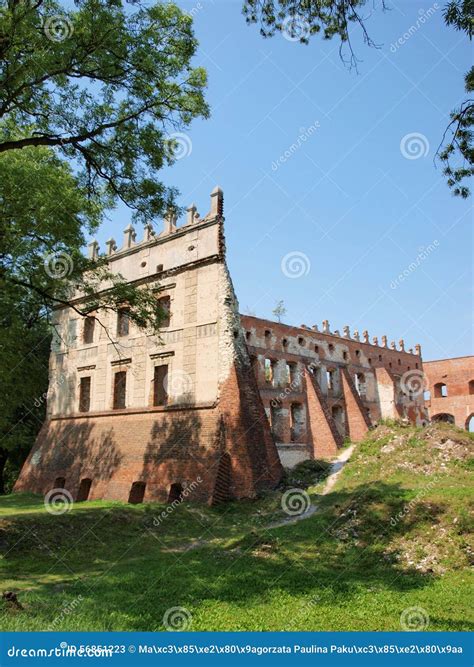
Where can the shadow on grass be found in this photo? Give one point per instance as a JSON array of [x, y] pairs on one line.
[[128, 573]]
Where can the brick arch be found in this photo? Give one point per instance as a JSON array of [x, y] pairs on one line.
[[443, 417], [467, 424]]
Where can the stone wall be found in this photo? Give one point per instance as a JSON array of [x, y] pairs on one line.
[[211, 434]]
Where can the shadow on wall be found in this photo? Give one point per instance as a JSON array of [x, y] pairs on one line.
[[70, 451], [175, 437], [182, 453]]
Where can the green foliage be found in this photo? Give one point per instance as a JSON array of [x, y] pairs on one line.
[[24, 350], [301, 19], [388, 537], [307, 473], [90, 96], [279, 311], [104, 86]]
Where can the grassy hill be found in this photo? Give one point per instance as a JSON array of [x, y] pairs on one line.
[[388, 549]]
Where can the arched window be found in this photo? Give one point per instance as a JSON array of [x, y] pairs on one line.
[[443, 417], [470, 423], [440, 390]]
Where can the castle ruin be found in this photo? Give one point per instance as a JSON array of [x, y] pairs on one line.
[[217, 404]]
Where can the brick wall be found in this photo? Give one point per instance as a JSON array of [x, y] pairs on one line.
[[456, 374]]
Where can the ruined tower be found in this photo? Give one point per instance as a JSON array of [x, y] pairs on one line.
[[133, 417]]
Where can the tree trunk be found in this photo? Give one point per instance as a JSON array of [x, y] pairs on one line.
[[3, 460]]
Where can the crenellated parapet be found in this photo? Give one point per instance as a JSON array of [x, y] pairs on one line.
[[365, 338], [170, 225]]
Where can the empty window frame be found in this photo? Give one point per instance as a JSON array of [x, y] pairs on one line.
[[359, 380], [440, 390], [120, 390], [270, 367], [123, 322], [164, 304], [88, 330], [160, 385], [330, 379], [85, 394]]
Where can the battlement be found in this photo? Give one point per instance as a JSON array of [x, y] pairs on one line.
[[170, 230], [326, 334], [174, 248], [216, 396]]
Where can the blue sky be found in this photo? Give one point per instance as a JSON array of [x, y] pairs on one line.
[[346, 207]]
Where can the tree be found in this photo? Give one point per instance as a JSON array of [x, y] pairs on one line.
[[279, 311], [24, 349], [104, 87], [460, 146], [89, 101], [299, 20]]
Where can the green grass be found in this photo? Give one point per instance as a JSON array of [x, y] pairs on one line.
[[393, 534]]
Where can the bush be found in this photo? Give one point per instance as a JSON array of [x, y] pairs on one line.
[[306, 473]]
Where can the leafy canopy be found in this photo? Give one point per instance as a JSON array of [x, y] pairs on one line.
[[104, 84]]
